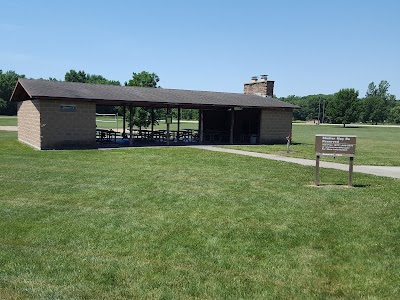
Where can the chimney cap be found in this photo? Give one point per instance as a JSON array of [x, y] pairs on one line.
[[264, 76], [254, 78]]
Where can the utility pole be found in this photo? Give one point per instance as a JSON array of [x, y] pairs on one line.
[[319, 110]]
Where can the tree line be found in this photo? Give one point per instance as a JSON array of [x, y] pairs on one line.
[[142, 117], [345, 106]]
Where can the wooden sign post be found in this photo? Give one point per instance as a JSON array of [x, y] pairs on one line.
[[335, 145]]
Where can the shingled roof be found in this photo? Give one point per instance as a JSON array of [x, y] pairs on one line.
[[29, 89]]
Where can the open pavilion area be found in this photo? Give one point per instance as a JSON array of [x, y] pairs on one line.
[[62, 115]]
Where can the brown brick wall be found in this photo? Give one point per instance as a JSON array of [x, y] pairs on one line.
[[60, 130], [261, 88], [29, 123], [275, 125]]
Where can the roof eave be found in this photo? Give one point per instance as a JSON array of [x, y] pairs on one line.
[[18, 87]]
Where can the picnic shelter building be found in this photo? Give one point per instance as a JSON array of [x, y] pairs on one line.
[[62, 115]]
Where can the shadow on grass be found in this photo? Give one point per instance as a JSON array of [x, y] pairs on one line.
[[339, 185], [347, 126]]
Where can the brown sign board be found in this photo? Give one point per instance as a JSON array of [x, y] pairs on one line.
[[335, 145]]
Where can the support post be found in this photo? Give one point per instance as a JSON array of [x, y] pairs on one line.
[[232, 125], [289, 141], [168, 112], [201, 113], [123, 120], [317, 170], [179, 119], [351, 163], [130, 125], [152, 120]]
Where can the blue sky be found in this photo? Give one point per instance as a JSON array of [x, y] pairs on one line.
[[307, 47]]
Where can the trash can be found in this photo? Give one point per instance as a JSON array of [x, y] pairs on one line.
[[253, 139]]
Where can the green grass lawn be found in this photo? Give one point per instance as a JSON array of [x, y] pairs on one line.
[[375, 145], [183, 223], [110, 122], [8, 121]]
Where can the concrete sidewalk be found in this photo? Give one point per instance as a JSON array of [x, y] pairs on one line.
[[9, 128], [393, 172]]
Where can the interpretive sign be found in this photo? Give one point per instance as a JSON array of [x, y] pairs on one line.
[[68, 108], [335, 145]]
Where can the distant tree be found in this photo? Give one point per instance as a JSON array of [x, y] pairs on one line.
[[373, 109], [298, 114], [372, 90], [142, 116], [81, 76], [49, 79], [382, 91], [74, 76], [312, 106], [189, 114], [144, 79], [98, 79], [8, 81], [394, 115], [377, 103], [344, 108]]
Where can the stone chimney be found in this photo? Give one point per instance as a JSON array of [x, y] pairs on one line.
[[262, 87]]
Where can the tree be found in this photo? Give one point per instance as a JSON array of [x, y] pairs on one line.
[[81, 76], [142, 116], [190, 114], [344, 107], [144, 79], [377, 103], [382, 91], [372, 90], [373, 109], [73, 76], [8, 81], [394, 115], [312, 106]]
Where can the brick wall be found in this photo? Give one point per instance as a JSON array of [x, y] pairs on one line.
[[260, 88], [275, 125], [29, 123], [42, 124], [73, 129]]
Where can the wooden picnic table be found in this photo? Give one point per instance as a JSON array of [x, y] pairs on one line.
[[105, 135]]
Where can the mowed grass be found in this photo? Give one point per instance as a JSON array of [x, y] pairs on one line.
[[183, 223], [8, 121], [109, 122], [377, 146]]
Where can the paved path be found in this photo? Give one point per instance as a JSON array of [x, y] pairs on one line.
[[9, 128], [393, 172]]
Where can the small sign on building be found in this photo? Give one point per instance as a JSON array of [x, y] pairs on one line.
[[68, 108], [335, 145]]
